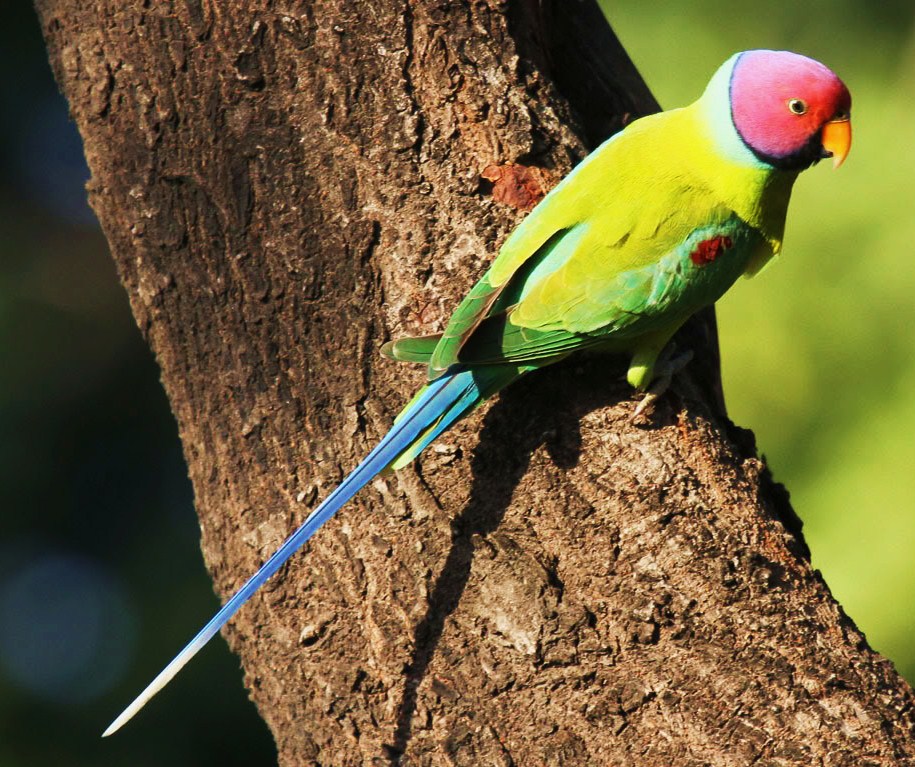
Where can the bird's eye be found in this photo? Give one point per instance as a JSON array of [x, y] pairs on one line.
[[797, 106]]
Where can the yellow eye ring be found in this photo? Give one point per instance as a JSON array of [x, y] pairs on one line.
[[797, 106]]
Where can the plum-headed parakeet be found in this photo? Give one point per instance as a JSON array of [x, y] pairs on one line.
[[655, 224]]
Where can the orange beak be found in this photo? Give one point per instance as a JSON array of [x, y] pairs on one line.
[[836, 139]]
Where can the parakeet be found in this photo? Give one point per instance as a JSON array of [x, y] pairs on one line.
[[655, 224]]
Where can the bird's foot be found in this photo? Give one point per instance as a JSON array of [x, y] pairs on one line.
[[667, 368]]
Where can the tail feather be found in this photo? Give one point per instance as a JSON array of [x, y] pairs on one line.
[[435, 408], [486, 382]]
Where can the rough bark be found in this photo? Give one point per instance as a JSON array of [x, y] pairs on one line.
[[284, 185]]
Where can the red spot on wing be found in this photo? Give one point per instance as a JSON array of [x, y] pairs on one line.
[[708, 250]]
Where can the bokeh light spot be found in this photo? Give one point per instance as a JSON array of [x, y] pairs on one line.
[[67, 631]]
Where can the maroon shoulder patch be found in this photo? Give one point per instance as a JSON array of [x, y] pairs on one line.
[[708, 250]]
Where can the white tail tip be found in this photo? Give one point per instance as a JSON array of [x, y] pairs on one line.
[[164, 677]]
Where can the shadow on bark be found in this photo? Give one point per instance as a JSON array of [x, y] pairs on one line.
[[496, 474]]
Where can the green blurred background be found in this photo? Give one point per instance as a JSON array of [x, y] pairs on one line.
[[101, 577]]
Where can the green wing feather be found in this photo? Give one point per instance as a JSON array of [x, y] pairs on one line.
[[463, 322]]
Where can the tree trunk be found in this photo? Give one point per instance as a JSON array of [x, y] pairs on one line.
[[286, 185]]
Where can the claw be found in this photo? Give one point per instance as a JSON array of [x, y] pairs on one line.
[[665, 371]]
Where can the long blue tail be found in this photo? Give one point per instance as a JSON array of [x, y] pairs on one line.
[[432, 411]]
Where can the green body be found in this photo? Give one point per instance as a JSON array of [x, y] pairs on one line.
[[607, 259]]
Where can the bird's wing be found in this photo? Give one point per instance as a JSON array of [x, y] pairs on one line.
[[538, 243], [579, 306]]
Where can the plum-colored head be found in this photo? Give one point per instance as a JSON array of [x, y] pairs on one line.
[[789, 110]]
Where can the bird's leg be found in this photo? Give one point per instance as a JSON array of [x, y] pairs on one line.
[[665, 369]]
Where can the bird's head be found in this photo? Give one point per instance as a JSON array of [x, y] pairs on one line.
[[789, 110]]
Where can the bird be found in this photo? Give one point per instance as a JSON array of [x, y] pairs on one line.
[[655, 224]]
